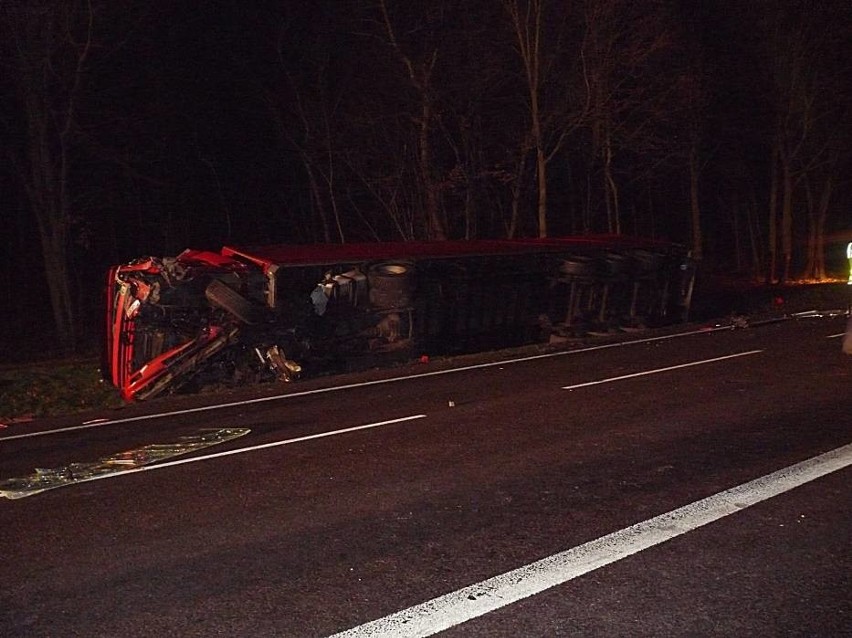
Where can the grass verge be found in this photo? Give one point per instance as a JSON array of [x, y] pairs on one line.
[[51, 388]]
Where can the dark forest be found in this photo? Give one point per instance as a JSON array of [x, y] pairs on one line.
[[143, 128]]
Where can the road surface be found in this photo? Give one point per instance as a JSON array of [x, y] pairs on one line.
[[689, 484]]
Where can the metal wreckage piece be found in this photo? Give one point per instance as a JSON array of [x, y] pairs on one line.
[[245, 315], [44, 479]]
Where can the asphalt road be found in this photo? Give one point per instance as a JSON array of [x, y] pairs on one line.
[[483, 497]]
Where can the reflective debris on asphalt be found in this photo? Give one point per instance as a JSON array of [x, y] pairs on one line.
[[44, 479]]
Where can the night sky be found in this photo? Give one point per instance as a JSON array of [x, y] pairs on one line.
[[203, 123]]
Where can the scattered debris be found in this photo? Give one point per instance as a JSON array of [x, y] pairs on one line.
[[22, 418], [46, 479], [818, 314]]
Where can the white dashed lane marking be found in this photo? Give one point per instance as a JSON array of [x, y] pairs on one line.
[[659, 370]]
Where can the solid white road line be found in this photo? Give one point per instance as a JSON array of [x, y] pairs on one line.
[[349, 386], [254, 448], [658, 370], [449, 610]]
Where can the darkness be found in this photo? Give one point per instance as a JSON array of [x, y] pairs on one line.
[[203, 123]]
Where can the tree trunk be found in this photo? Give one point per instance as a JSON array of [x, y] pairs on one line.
[[787, 220], [810, 251], [540, 160], [435, 227], [611, 190], [752, 219], [517, 190], [316, 195], [772, 225], [822, 217], [735, 227], [541, 173], [695, 209], [56, 270]]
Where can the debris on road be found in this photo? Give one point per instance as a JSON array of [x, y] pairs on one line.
[[47, 479]]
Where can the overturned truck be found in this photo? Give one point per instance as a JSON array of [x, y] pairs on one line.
[[245, 315]]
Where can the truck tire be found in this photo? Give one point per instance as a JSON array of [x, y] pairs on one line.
[[223, 296], [391, 284]]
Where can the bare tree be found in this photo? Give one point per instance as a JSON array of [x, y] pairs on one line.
[[47, 47], [420, 72], [540, 33], [689, 106], [804, 52], [304, 100], [632, 80]]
